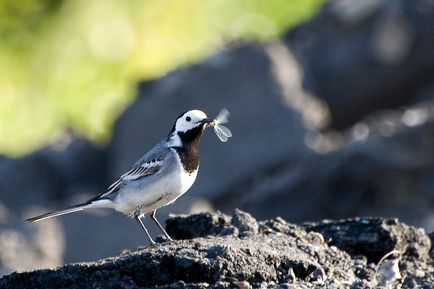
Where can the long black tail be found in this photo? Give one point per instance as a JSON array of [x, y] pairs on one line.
[[65, 211]]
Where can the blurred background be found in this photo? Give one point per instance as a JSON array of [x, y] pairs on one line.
[[332, 108]]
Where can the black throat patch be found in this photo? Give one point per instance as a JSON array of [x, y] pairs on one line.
[[189, 150]]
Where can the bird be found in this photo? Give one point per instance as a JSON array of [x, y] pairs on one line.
[[157, 179]]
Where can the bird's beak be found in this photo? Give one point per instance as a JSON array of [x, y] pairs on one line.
[[207, 121]]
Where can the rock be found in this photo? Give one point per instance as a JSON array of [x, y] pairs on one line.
[[205, 224], [52, 174], [244, 222], [380, 176], [365, 56], [374, 238], [26, 249], [183, 227], [34, 184], [262, 259]]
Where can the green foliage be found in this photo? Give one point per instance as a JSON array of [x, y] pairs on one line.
[[75, 63]]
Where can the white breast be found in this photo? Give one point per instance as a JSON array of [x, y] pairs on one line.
[[166, 186], [184, 180], [187, 180]]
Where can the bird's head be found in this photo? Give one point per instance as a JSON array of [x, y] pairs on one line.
[[188, 127]]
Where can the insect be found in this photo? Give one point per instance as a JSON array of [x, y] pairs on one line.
[[222, 132]]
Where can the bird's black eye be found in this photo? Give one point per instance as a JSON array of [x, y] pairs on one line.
[[188, 118]]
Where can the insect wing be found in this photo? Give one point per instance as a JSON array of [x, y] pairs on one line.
[[223, 116], [225, 130], [220, 133]]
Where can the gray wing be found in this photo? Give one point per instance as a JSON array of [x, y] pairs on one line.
[[147, 165]]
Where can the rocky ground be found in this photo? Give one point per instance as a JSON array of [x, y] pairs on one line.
[[333, 120], [222, 251]]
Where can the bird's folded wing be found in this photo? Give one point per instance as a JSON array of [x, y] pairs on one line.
[[135, 173], [145, 169]]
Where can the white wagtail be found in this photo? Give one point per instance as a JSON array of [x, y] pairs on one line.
[[160, 177]]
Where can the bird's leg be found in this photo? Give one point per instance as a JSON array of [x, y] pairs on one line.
[[152, 215], [144, 229]]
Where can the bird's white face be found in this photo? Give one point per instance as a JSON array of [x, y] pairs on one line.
[[190, 120]]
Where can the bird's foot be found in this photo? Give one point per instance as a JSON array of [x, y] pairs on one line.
[[150, 245], [163, 239], [168, 238]]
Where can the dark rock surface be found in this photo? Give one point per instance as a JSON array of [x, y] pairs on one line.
[[373, 237], [220, 251], [364, 56]]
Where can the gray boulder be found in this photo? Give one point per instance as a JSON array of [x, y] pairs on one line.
[[381, 176], [52, 174], [366, 56]]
